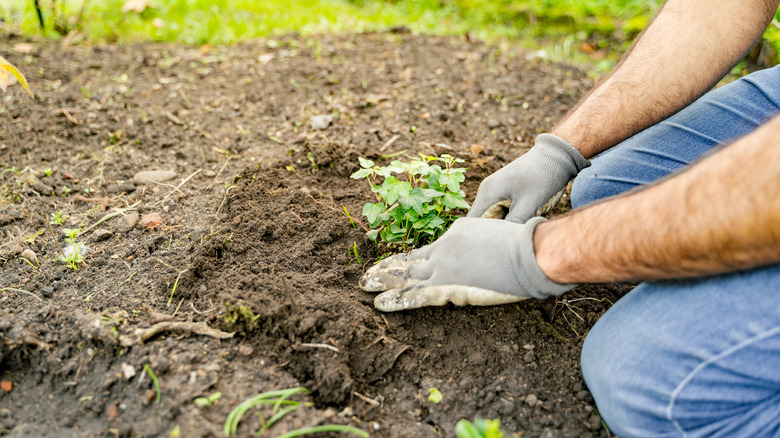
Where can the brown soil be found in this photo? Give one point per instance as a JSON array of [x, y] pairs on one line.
[[255, 241]]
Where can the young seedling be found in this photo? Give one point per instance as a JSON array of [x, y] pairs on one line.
[[57, 218], [205, 402], [434, 396], [480, 428], [418, 207], [155, 382], [73, 258], [279, 399]]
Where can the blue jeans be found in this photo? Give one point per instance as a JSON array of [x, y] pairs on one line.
[[698, 357]]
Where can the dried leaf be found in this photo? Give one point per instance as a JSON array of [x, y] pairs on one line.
[[6, 67]]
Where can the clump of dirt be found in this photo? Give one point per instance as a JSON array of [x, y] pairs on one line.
[[246, 230]]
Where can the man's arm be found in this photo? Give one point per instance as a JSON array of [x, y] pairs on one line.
[[689, 46], [720, 215]]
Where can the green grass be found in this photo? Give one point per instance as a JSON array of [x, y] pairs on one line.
[[558, 26]]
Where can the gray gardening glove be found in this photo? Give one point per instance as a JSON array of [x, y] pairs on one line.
[[477, 261], [531, 180]]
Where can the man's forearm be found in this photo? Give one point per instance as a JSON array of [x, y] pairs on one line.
[[689, 46], [720, 215]]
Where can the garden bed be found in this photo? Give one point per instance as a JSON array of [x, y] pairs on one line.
[[252, 239]]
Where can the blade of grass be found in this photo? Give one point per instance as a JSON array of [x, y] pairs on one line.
[[326, 428]]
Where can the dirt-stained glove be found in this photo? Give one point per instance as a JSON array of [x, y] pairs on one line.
[[531, 180], [477, 261]]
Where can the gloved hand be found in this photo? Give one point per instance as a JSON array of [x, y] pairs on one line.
[[531, 180], [477, 261]]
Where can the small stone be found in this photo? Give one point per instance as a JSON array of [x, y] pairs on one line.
[[112, 412], [595, 421], [210, 173], [101, 235], [151, 220], [237, 220], [47, 291], [153, 176], [320, 122], [528, 347], [116, 189], [531, 400], [245, 349], [30, 255], [128, 224], [150, 396], [128, 371], [529, 357], [493, 123]]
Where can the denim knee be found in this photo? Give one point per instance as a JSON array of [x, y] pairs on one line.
[[588, 187], [613, 384]]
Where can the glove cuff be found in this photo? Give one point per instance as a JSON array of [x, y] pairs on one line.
[[533, 280], [552, 142]]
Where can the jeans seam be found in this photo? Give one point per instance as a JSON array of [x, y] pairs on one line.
[[705, 364]]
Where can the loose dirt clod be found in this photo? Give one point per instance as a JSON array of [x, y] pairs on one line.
[[151, 221]]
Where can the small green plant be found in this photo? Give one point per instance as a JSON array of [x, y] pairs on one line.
[[281, 407], [241, 318], [205, 402], [434, 395], [73, 258], [57, 218], [155, 382], [480, 428], [48, 171], [419, 207]]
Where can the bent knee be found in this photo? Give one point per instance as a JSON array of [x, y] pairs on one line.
[[588, 187]]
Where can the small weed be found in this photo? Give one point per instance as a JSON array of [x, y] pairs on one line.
[[74, 258], [31, 238], [241, 317], [57, 218], [279, 399], [48, 171], [175, 283], [480, 428], [434, 396], [205, 402], [65, 191], [415, 211], [156, 383]]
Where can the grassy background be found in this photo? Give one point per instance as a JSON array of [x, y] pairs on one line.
[[589, 32]]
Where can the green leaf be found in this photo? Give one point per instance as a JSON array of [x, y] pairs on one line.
[[396, 228], [372, 210], [466, 429], [373, 234], [431, 193], [365, 164], [395, 189], [421, 223], [362, 173], [452, 180], [415, 200], [451, 201], [434, 395], [436, 222]]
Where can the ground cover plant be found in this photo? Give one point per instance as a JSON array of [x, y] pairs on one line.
[[418, 209]]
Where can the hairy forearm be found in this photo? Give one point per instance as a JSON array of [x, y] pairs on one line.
[[720, 215], [685, 50]]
